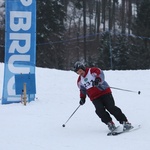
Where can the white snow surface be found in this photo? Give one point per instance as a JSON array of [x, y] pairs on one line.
[[38, 125]]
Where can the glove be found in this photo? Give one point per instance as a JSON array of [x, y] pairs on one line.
[[82, 101], [96, 82]]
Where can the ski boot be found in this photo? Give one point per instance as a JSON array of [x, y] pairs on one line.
[[111, 126], [127, 126]]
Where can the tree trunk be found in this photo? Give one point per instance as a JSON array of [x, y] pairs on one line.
[[84, 20]]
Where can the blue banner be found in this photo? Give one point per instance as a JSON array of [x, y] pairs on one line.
[[20, 45]]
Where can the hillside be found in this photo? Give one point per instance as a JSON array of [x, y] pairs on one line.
[[38, 126]]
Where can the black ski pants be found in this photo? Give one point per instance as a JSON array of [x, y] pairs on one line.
[[105, 105]]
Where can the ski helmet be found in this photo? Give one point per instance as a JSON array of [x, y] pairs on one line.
[[79, 65]]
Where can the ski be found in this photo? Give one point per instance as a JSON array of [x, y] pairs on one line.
[[114, 133]]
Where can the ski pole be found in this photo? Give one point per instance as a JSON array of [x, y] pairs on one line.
[[70, 116], [139, 92]]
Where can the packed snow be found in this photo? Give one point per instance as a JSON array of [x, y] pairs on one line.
[[38, 125]]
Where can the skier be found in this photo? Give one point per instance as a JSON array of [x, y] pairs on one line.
[[91, 82]]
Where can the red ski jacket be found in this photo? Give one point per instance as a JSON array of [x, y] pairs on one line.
[[86, 87]]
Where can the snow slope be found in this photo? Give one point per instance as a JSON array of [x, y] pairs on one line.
[[38, 126]]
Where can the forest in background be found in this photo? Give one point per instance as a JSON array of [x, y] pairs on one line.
[[110, 34]]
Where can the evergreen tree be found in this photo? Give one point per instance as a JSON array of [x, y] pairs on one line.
[[50, 18], [2, 30], [121, 53], [104, 51], [50, 27], [142, 22], [141, 28]]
